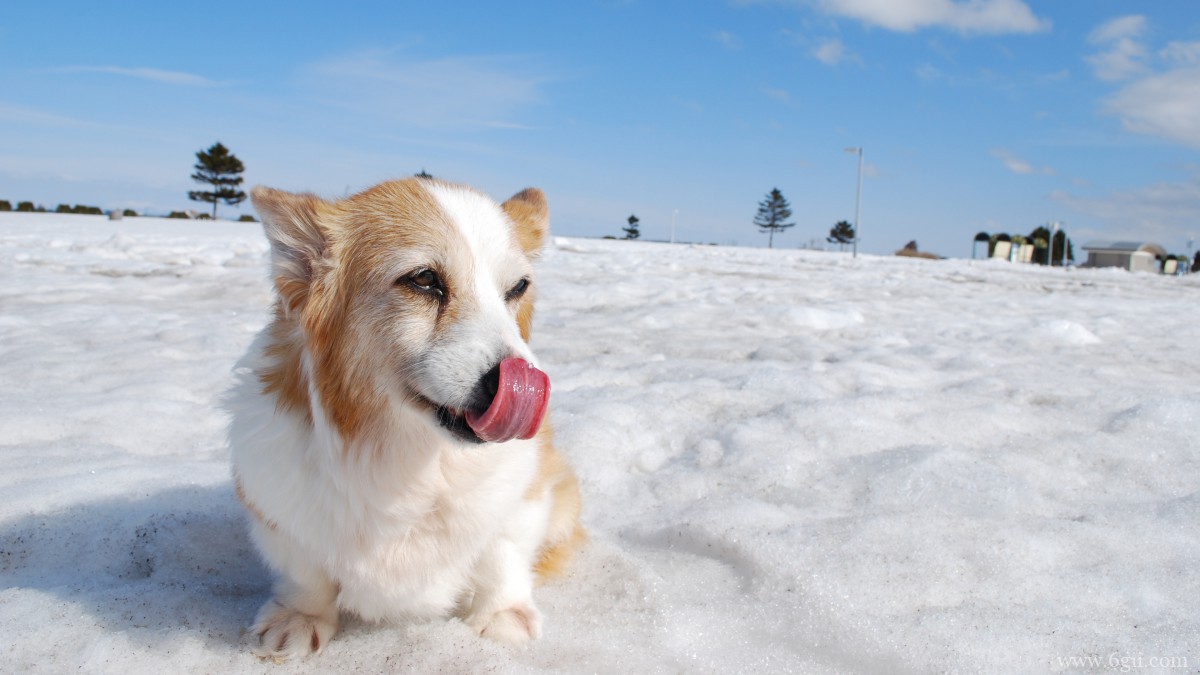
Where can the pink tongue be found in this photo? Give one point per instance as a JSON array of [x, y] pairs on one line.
[[519, 406]]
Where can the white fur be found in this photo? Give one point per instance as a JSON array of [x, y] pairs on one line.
[[490, 331], [411, 522]]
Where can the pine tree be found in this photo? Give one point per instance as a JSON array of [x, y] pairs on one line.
[[631, 232], [1050, 247], [772, 212], [222, 170], [1060, 243], [841, 233]]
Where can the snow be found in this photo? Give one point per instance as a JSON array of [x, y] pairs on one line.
[[790, 460]]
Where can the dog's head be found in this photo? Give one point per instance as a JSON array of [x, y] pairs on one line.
[[413, 292]]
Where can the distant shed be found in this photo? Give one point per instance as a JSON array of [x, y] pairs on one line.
[[1134, 256]]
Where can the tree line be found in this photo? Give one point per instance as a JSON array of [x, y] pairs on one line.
[[29, 207], [215, 167], [772, 216]]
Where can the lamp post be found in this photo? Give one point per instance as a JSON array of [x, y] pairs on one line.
[[673, 215], [1050, 250], [857, 196], [1053, 227]]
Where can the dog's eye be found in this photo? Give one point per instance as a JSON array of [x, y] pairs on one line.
[[517, 290], [426, 281]]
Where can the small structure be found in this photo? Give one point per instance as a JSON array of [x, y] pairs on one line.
[[1002, 250], [1135, 256], [910, 251], [1013, 251]]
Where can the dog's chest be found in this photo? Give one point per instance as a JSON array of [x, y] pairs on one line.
[[416, 555]]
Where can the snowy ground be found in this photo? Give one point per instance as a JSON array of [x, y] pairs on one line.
[[790, 460]]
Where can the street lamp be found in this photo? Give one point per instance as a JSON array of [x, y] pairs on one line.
[[1052, 227], [1050, 250], [857, 196]]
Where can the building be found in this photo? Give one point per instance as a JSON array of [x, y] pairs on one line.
[[1131, 255]]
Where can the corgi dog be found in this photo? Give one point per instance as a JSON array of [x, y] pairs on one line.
[[389, 437]]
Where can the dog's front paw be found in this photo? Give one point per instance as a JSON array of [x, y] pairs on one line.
[[516, 625], [284, 632]]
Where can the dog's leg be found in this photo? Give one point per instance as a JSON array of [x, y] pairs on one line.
[[301, 617], [502, 607]]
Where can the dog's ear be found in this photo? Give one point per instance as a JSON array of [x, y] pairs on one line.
[[531, 216], [299, 243]]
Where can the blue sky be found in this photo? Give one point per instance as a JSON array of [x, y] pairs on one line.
[[994, 115]]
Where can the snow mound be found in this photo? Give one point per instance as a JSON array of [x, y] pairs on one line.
[[1068, 333]]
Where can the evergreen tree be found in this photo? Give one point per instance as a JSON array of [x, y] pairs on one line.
[[1053, 245], [631, 232], [841, 233], [772, 212], [1060, 243], [5, 205], [222, 170], [1041, 243]]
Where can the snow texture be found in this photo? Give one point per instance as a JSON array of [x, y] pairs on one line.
[[791, 461]]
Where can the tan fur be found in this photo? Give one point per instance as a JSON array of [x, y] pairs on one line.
[[531, 217], [350, 238], [285, 380], [564, 533], [530, 213]]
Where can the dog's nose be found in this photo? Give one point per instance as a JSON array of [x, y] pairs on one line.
[[485, 389]]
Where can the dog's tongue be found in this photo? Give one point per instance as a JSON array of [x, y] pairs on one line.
[[519, 406]]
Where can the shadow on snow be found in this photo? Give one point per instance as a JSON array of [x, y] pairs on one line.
[[175, 560]]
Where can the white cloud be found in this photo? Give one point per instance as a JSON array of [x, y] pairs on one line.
[[727, 39], [1131, 26], [1181, 53], [13, 114], [1158, 101], [1019, 166], [1163, 212], [1125, 59], [1164, 105], [151, 74], [929, 72], [1123, 55], [831, 52], [780, 95], [970, 16], [454, 92]]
